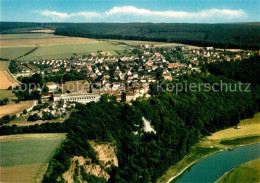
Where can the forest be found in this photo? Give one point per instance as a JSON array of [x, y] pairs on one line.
[[228, 35], [179, 121]]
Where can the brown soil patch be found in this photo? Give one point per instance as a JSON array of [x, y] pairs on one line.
[[90, 168], [12, 109], [6, 80], [105, 153], [106, 156], [43, 31], [30, 173]]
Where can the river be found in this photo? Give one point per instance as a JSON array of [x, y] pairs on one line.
[[213, 167]]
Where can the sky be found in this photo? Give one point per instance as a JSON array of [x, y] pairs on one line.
[[156, 11]]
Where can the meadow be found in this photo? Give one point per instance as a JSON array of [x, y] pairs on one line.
[[52, 47], [61, 47], [6, 94], [24, 158], [247, 127], [247, 172], [155, 44]]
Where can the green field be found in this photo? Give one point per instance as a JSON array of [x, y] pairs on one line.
[[13, 52], [61, 47], [6, 94], [67, 50], [53, 47], [30, 152], [248, 172], [28, 36]]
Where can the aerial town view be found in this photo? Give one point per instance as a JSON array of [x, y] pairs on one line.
[[130, 91]]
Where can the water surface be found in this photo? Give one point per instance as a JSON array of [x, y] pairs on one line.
[[213, 167]]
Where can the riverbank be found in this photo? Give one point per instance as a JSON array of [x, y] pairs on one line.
[[248, 128], [247, 172]]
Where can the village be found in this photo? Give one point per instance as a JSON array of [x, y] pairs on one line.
[[126, 77]]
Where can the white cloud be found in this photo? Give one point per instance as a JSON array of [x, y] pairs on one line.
[[86, 14], [131, 10], [54, 14], [66, 15]]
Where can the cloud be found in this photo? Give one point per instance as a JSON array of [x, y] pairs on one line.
[[86, 14], [131, 10], [55, 14], [146, 14]]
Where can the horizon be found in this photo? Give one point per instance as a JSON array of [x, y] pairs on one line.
[[128, 22], [128, 11]]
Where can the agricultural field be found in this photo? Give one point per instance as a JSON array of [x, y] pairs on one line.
[[247, 127], [6, 78], [28, 36], [51, 46], [6, 94], [24, 158], [155, 44], [54, 46], [248, 172], [11, 109]]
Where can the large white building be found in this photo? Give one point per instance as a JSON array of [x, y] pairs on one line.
[[81, 98]]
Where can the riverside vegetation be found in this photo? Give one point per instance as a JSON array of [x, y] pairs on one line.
[[180, 121]]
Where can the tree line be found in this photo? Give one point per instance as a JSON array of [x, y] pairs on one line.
[[225, 35]]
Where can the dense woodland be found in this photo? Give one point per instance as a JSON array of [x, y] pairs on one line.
[[232, 35], [179, 120]]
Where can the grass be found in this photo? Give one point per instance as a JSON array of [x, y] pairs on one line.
[[248, 127], [241, 141], [62, 47], [25, 157], [6, 94], [156, 44], [28, 36], [248, 172], [221, 141], [67, 50], [52, 46], [14, 52]]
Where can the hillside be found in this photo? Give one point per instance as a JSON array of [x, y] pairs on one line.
[[233, 35], [179, 121]]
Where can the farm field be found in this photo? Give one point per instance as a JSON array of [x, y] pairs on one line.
[[6, 94], [24, 158], [52, 46], [13, 52], [6, 79], [11, 109], [156, 44], [248, 127], [212, 144], [248, 172], [27, 36]]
